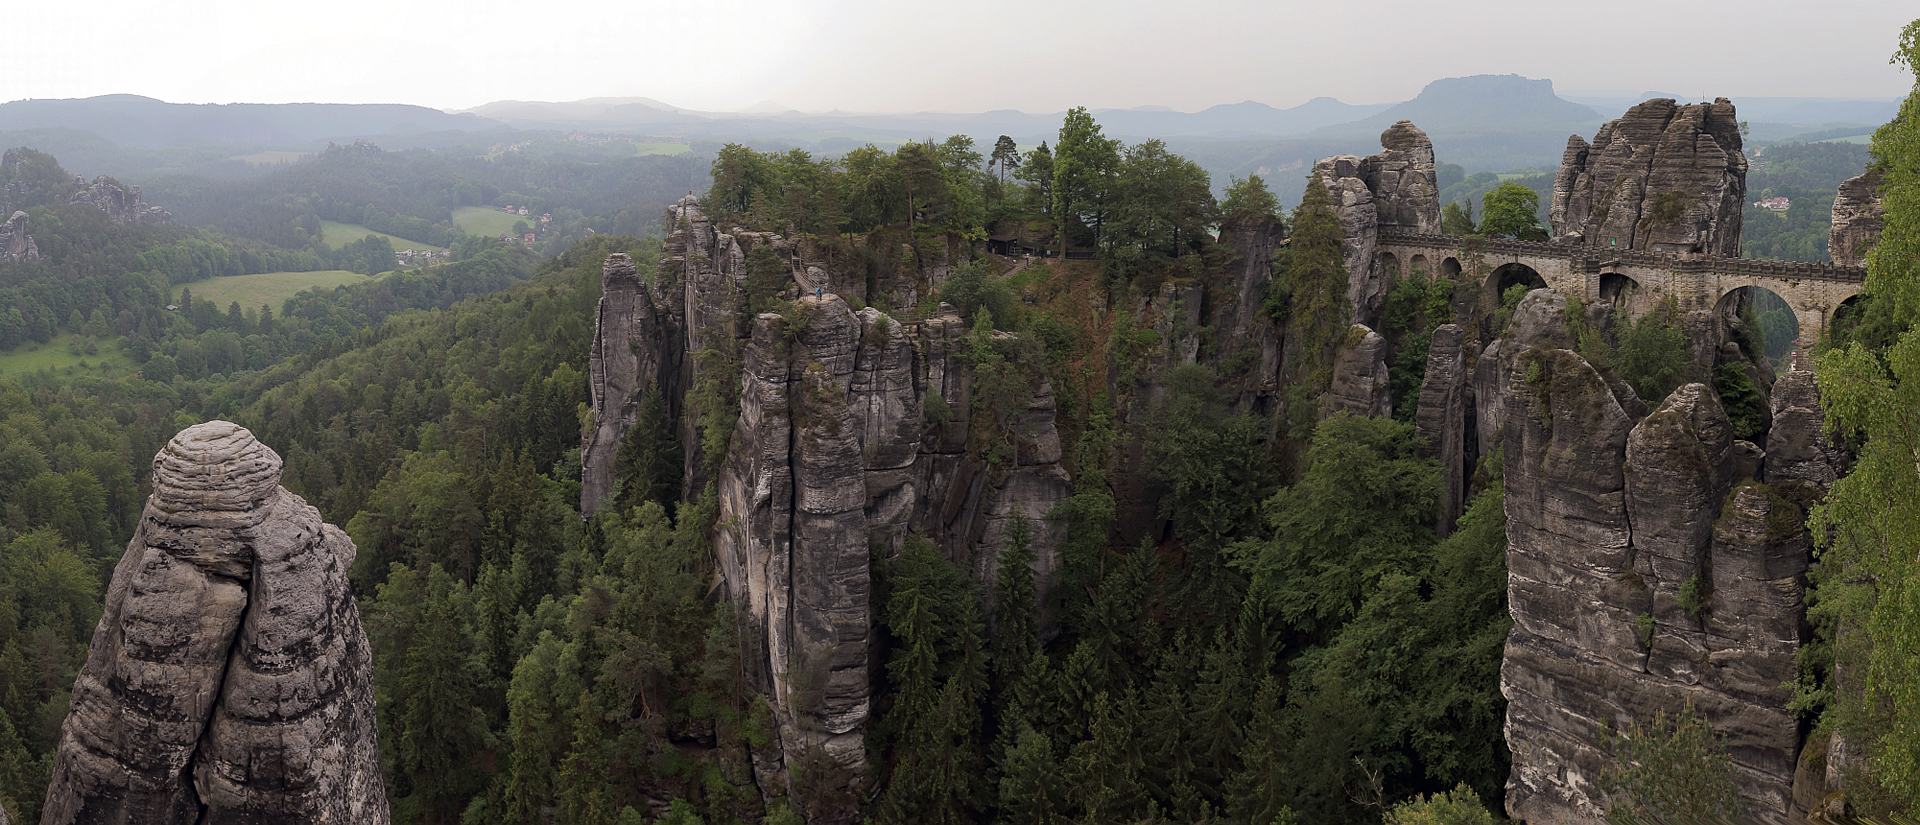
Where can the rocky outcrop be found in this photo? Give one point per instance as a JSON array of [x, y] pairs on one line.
[[1360, 384], [229, 680], [1858, 216], [1359, 234], [1799, 448], [1442, 420], [122, 204], [1402, 179], [794, 548], [1663, 177], [1395, 191], [1647, 571], [852, 434], [15, 243], [628, 348], [1240, 320]]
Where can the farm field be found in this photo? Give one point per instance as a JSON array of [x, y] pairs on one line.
[[337, 235], [267, 288], [486, 220], [109, 360], [661, 148]]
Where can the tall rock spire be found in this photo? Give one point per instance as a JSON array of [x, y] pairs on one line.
[[229, 679]]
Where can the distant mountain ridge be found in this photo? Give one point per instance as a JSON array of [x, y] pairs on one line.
[[143, 122]]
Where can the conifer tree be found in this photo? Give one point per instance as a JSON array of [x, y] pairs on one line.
[[1321, 312]]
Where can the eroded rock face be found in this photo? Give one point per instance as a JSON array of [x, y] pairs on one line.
[[123, 205], [1359, 234], [1393, 191], [1442, 420], [1405, 194], [1858, 216], [1360, 382], [1647, 571], [628, 348], [229, 679], [1664, 177], [15, 243], [1241, 322], [1799, 448]]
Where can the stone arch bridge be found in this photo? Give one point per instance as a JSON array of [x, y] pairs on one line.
[[1640, 279]]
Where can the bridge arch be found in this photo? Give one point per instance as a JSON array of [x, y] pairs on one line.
[[1389, 264], [1812, 301], [1508, 275], [1450, 268], [1762, 319], [1623, 292], [1420, 267]]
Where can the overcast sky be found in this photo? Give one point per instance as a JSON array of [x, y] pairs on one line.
[[912, 55]]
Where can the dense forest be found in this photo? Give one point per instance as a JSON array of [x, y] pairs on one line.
[[1294, 642], [1807, 174]]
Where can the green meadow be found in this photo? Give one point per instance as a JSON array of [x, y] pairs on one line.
[[267, 288], [58, 355], [337, 235]]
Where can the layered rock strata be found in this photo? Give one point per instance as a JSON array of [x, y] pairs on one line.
[[15, 243], [1403, 182], [852, 434], [1360, 383], [1858, 216], [1649, 570], [1663, 177], [229, 680], [1394, 190]]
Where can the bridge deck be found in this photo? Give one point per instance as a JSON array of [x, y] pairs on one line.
[[1591, 259]]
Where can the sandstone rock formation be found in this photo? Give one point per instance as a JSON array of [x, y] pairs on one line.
[[1648, 571], [1442, 420], [852, 433], [1858, 216], [229, 679], [1359, 234], [1664, 177], [628, 347], [1394, 190], [795, 547], [122, 204], [1360, 383], [1402, 179], [1240, 320], [1799, 448], [15, 243]]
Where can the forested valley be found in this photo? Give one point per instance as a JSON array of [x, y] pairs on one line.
[[1256, 616]]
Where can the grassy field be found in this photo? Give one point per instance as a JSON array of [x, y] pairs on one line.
[[661, 148], [487, 220], [109, 361], [267, 288], [338, 235]]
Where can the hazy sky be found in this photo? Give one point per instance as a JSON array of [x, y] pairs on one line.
[[911, 55]]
